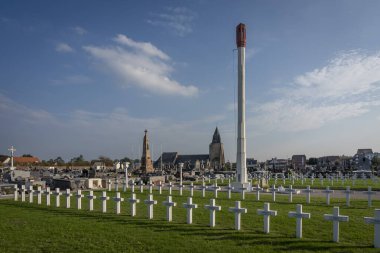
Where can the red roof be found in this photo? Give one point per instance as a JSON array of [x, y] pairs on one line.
[[26, 159]]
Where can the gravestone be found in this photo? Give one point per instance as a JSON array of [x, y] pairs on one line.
[[169, 205], [273, 190], [104, 199], [170, 186], [299, 215], [237, 210], [189, 206], [336, 218], [180, 188], [47, 192], [116, 185], [68, 194], [31, 194], [229, 190], [150, 187], [79, 197], [266, 213], [109, 185], [132, 184], [141, 186], [23, 192], [376, 221], [328, 193], [91, 198], [213, 208], [133, 200], [39, 195], [159, 187], [257, 189], [118, 201], [15, 192], [57, 194], [369, 194], [125, 185], [308, 192], [203, 188], [290, 192], [215, 188], [150, 202], [191, 187], [348, 195]]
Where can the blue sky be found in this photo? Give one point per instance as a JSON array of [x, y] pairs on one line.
[[87, 77]]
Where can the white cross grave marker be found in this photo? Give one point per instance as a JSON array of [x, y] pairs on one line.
[[336, 218], [150, 187], [141, 186], [104, 199], [189, 206], [159, 187], [290, 191], [170, 186], [57, 194], [47, 192], [109, 185], [257, 189], [328, 193], [348, 194], [150, 202], [229, 189], [266, 213], [191, 187], [369, 194], [39, 195], [125, 185], [308, 192], [203, 188], [299, 215], [132, 184], [15, 192], [238, 211], [133, 200], [68, 195], [215, 188], [169, 204], [31, 194], [118, 201], [273, 190], [79, 197], [212, 207], [180, 188], [116, 184], [91, 198], [376, 221], [23, 191]]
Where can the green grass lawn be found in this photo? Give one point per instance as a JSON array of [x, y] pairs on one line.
[[360, 184], [28, 227]]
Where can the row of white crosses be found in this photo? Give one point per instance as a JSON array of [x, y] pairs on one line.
[[212, 207]]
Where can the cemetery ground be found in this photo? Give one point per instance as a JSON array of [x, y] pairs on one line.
[[26, 227]]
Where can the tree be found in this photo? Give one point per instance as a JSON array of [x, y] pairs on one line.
[[59, 161], [313, 161], [79, 161], [27, 155]]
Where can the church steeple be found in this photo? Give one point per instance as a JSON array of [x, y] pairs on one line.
[[216, 136], [146, 161]]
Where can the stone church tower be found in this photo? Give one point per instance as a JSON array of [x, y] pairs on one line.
[[146, 161], [216, 151]]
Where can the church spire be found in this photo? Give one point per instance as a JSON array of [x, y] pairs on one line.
[[216, 136]]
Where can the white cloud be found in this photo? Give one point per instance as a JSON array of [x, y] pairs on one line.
[[141, 64], [80, 30], [348, 86], [64, 48], [176, 19]]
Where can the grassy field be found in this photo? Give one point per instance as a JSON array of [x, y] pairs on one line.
[[28, 227], [360, 184]]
